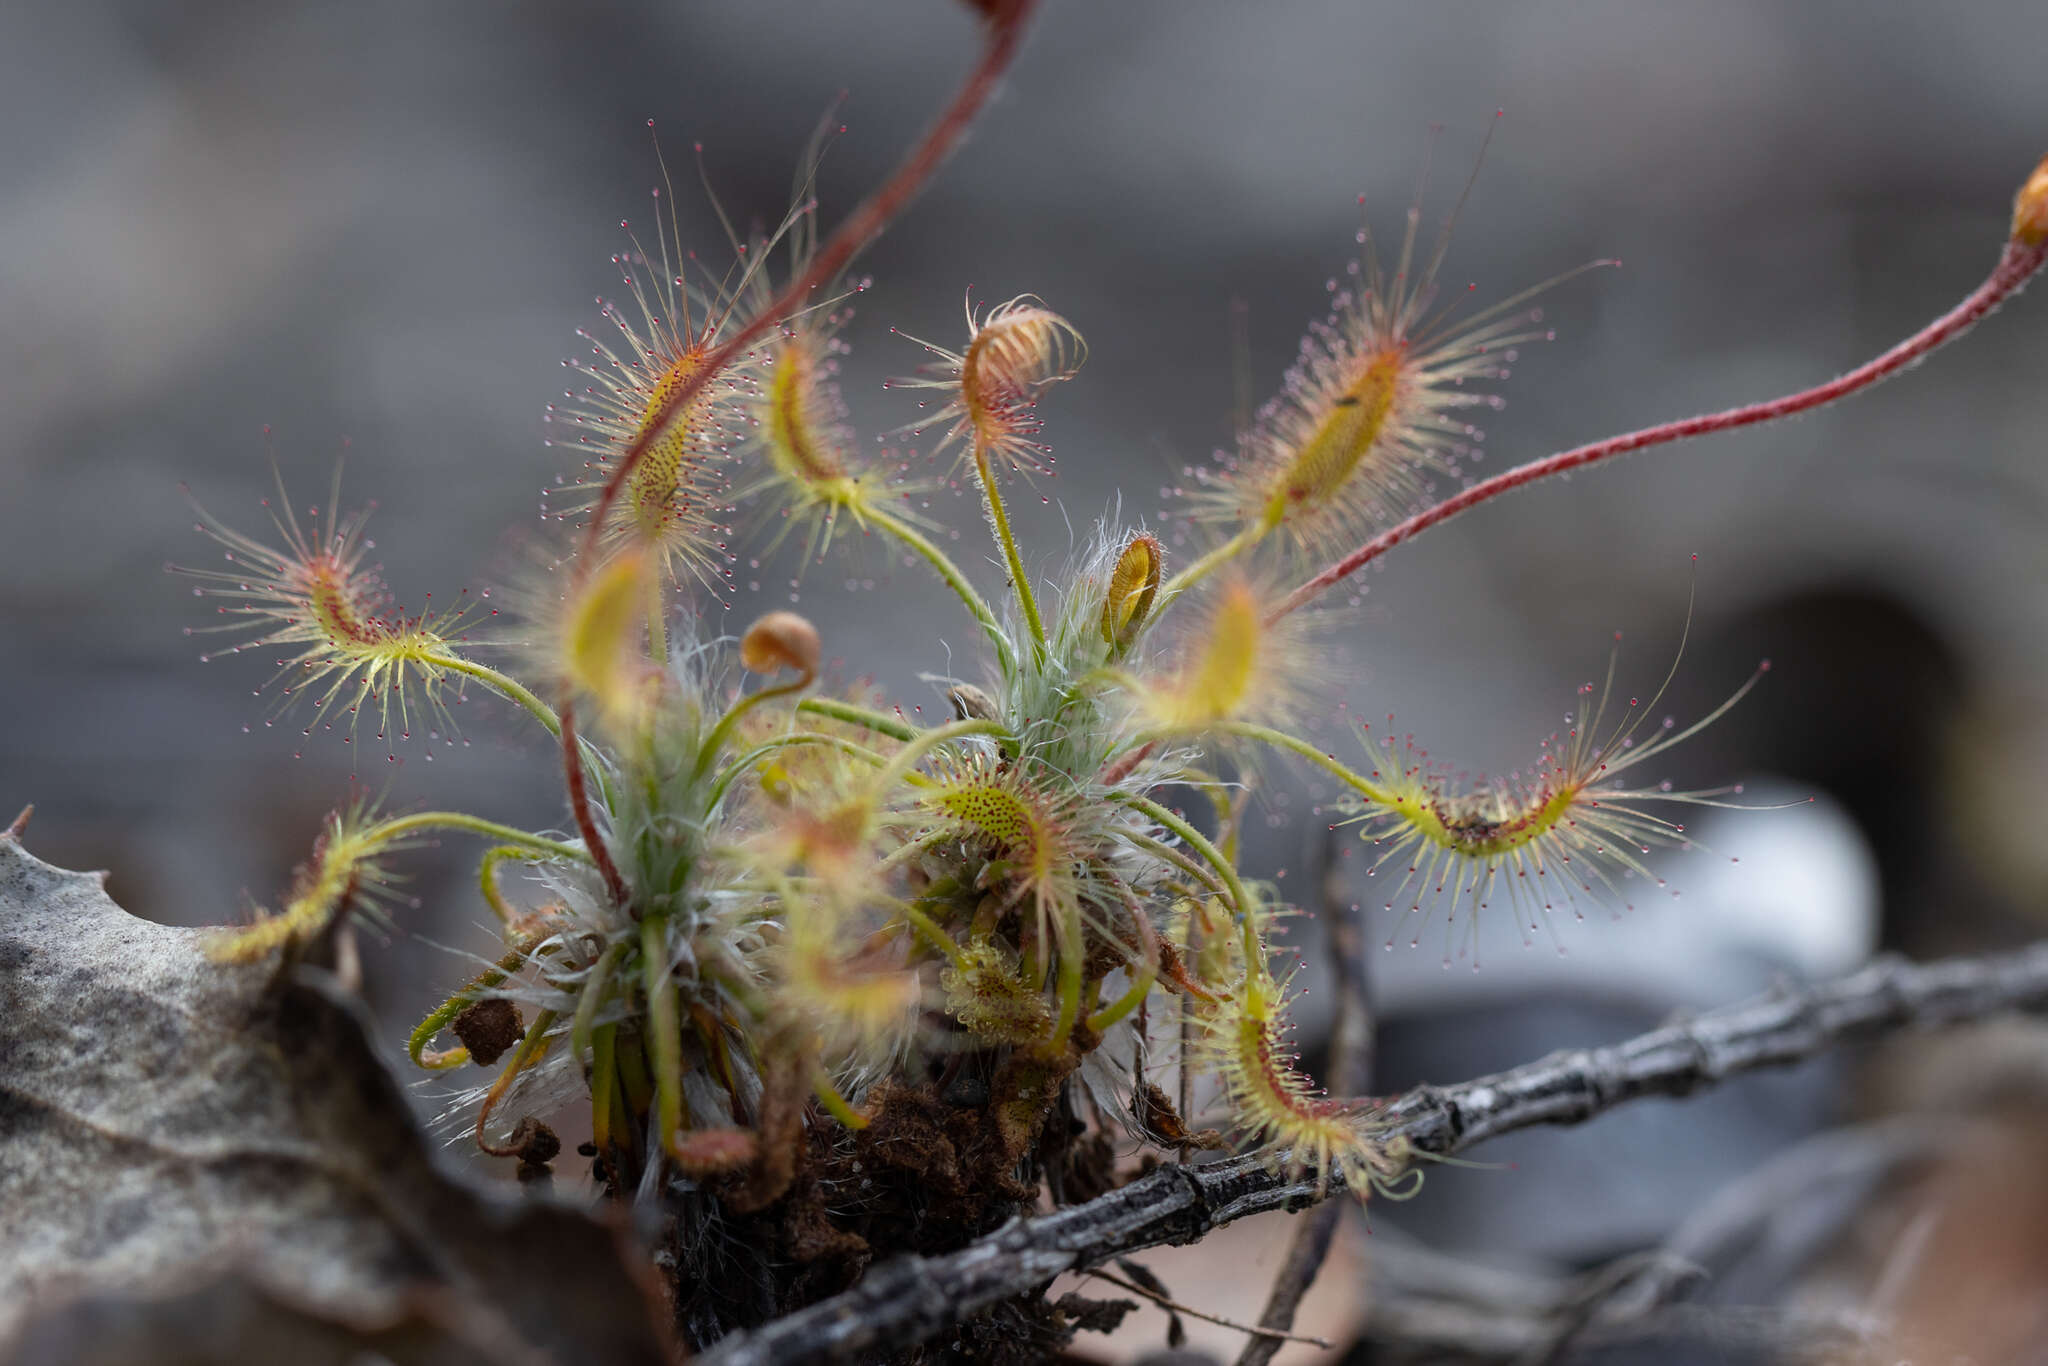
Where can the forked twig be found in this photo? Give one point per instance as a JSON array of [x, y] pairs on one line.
[[1276, 1336]]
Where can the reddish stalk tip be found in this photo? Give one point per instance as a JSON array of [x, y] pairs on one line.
[[2030, 209]]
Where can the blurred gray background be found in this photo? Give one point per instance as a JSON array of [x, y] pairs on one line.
[[382, 223]]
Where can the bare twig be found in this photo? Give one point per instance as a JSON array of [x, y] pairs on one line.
[[914, 1299], [1305, 1256], [1758, 1232], [1274, 1335], [1437, 1333], [1657, 1273], [1428, 1306]]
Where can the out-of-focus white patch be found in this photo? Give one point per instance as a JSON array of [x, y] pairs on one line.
[[1805, 892], [1764, 894]]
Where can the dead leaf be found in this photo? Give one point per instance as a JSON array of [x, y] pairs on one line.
[[176, 1132]]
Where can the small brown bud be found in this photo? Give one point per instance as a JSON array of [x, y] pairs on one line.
[[1132, 586], [1163, 1124], [489, 1029], [972, 704], [537, 1144], [781, 640], [2030, 209]]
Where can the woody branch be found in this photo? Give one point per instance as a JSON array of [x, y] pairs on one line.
[[914, 1299]]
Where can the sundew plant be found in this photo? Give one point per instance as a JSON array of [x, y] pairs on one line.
[[829, 984]]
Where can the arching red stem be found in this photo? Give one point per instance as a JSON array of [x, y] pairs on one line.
[[1005, 25], [579, 803], [2016, 265], [1005, 34]]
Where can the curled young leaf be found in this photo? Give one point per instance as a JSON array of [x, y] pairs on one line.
[[1133, 584]]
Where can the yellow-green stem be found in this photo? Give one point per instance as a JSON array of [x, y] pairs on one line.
[[761, 751], [1140, 988], [1244, 540], [912, 848], [719, 967], [906, 758], [950, 572], [1185, 1087], [708, 754], [588, 1001], [632, 1061], [1196, 841], [932, 931], [487, 878], [462, 1000], [1280, 739], [506, 685], [1070, 986], [892, 726], [835, 1104], [1211, 884], [1229, 814], [657, 626], [1019, 580], [604, 1082], [531, 1049], [664, 1025], [398, 826]]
